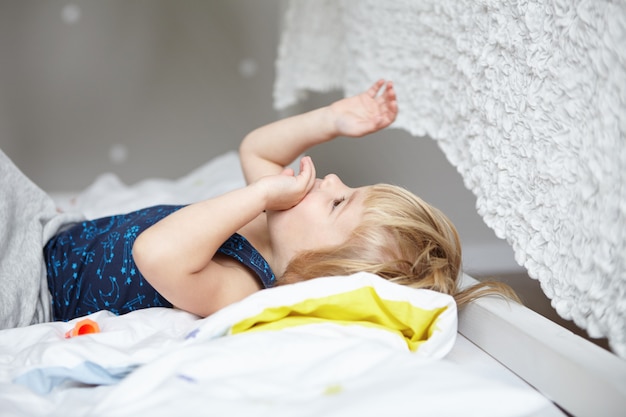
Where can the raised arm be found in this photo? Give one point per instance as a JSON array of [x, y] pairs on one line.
[[268, 149], [176, 255]]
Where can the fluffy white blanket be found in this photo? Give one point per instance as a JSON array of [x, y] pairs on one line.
[[526, 98]]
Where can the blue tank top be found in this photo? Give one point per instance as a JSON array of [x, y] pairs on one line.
[[90, 266]]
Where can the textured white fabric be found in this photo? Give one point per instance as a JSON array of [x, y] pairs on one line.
[[527, 99]]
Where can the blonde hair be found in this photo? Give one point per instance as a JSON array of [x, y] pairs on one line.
[[400, 238]]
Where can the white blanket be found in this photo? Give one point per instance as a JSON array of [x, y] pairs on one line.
[[305, 349], [526, 99]]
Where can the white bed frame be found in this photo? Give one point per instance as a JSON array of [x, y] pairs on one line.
[[580, 377]]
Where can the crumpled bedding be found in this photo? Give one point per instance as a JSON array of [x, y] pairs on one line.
[[109, 195], [303, 349]]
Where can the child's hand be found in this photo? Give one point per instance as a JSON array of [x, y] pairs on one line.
[[367, 112], [286, 190]]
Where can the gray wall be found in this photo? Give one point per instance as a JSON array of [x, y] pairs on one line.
[[148, 88], [158, 77]]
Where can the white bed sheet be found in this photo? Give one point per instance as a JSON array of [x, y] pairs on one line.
[[290, 372]]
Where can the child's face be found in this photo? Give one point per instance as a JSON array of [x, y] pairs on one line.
[[325, 217]]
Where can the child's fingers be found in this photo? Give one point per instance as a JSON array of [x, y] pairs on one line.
[[307, 170], [373, 90], [390, 92], [391, 100]]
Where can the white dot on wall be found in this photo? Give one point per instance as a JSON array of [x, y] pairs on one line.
[[118, 154], [248, 68], [70, 13]]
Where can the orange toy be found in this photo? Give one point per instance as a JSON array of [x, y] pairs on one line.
[[82, 327]]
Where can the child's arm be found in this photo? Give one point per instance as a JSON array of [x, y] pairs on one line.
[[175, 254], [268, 149]]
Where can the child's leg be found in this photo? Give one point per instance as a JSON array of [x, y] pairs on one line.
[[28, 219]]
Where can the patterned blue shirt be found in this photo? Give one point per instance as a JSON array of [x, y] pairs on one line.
[[90, 266]]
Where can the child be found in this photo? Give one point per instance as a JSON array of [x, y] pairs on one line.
[[281, 228]]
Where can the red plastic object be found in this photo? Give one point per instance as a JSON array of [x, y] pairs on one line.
[[86, 326]]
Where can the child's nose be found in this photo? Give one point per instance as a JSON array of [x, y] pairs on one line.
[[332, 179]]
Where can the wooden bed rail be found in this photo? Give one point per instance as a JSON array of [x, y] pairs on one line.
[[577, 375]]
